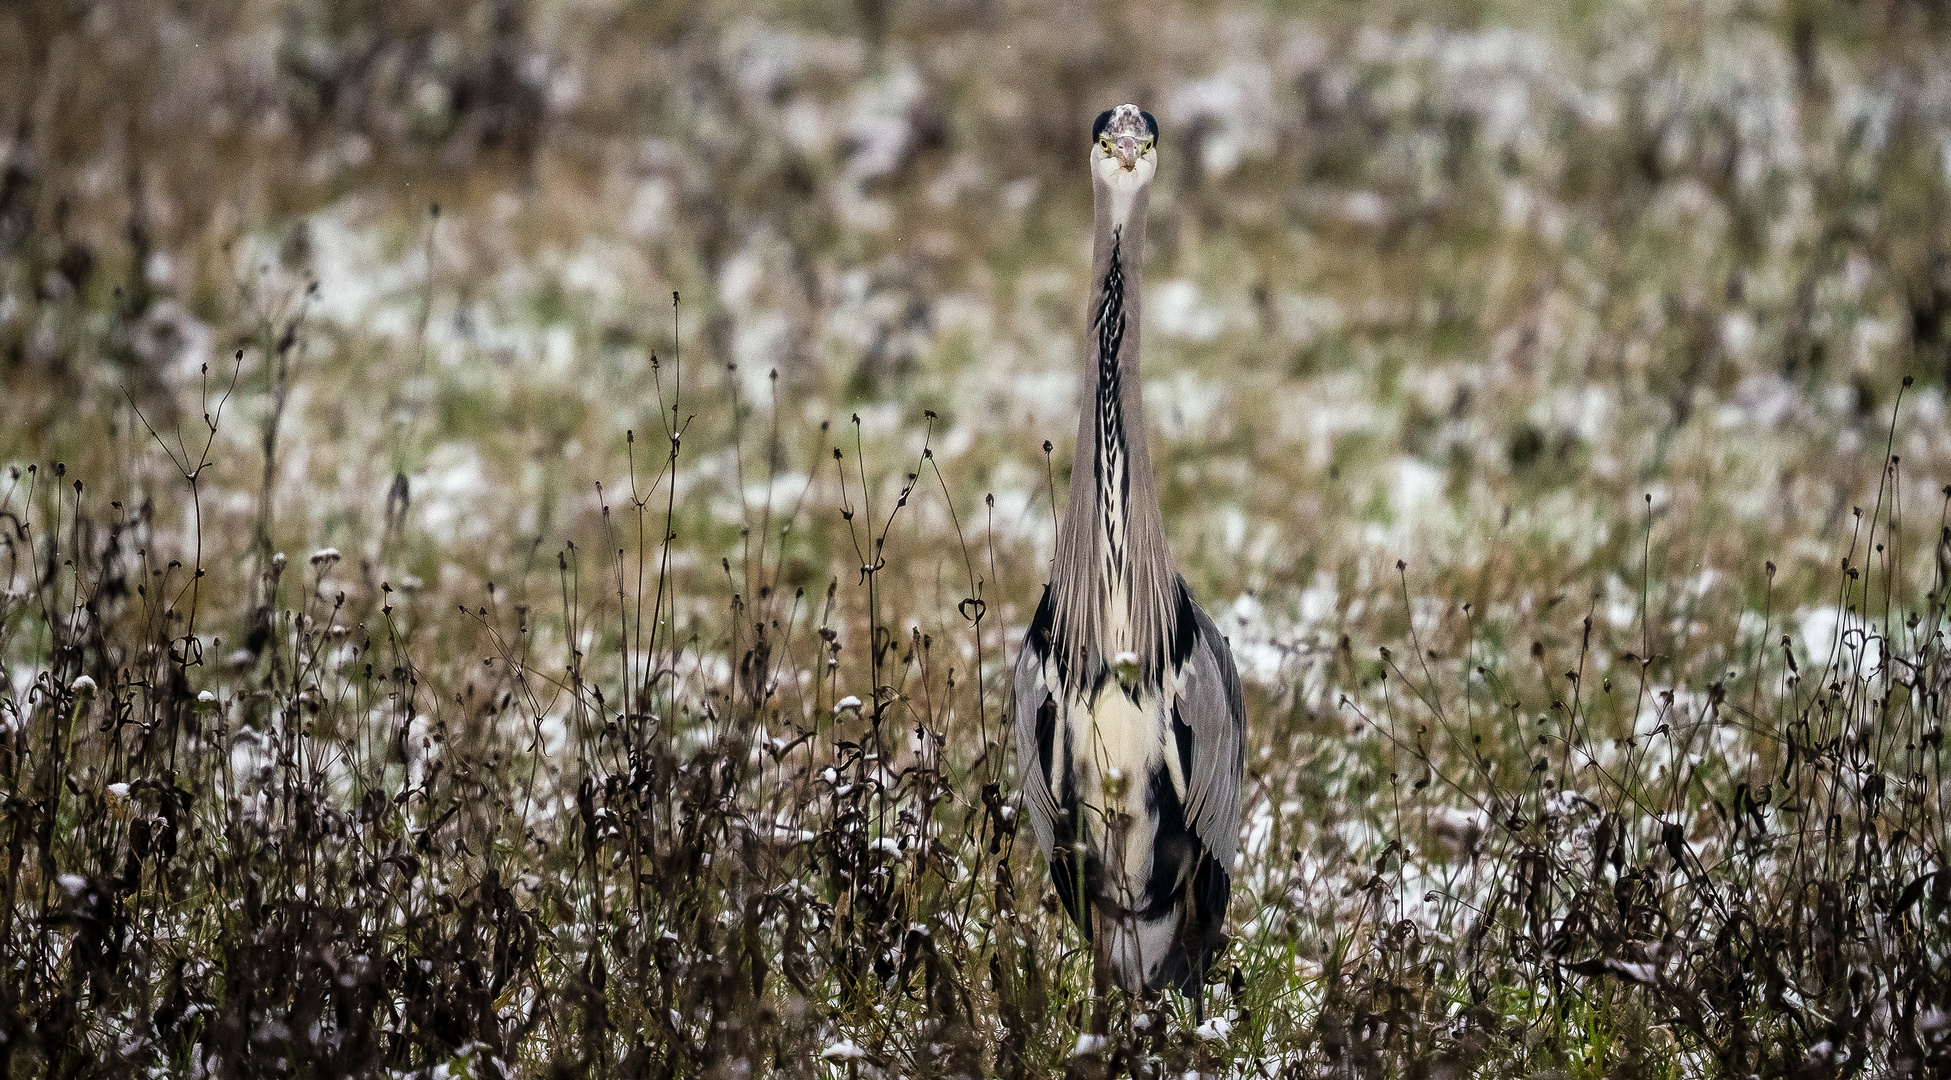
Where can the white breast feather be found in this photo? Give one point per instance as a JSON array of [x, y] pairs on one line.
[[1119, 735]]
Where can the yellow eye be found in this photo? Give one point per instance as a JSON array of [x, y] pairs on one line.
[[1147, 147], [1105, 142]]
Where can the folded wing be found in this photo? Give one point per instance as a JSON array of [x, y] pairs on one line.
[[1210, 714]]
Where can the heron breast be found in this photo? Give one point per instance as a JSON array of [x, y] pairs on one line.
[[1121, 749], [1124, 736]]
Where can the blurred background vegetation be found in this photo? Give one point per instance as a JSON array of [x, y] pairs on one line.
[[1579, 310], [1413, 265]]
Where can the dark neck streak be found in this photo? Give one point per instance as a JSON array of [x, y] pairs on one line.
[[1112, 568], [1112, 458]]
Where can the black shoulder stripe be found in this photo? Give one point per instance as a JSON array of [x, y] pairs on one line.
[[1039, 636], [1046, 738], [1185, 627], [1182, 739]]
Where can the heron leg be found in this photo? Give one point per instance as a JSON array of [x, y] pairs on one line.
[[1100, 978], [1101, 987]]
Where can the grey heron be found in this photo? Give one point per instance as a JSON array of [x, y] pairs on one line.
[[1130, 726]]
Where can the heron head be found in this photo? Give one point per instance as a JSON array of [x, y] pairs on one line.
[[1125, 140]]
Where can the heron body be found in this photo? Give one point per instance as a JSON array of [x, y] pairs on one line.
[[1130, 725]]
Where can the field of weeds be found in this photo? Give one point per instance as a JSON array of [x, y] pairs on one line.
[[515, 518]]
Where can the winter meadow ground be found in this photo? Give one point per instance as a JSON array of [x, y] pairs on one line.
[[515, 515]]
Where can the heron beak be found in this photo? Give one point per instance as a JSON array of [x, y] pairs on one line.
[[1126, 150]]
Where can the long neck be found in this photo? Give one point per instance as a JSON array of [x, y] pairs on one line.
[[1113, 586]]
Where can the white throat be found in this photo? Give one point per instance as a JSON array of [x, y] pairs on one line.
[[1123, 185]]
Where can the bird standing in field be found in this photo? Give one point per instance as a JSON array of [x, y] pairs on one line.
[[1130, 726]]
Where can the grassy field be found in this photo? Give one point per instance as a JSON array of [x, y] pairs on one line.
[[515, 517]]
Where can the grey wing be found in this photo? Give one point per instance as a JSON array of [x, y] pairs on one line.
[[1035, 706], [1213, 710]]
